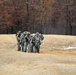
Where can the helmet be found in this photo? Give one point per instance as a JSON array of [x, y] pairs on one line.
[[28, 33], [24, 33], [37, 33]]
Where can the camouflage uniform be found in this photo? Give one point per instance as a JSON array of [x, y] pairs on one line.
[[30, 45], [18, 34], [26, 41], [35, 44], [40, 36], [38, 43], [36, 40], [23, 40]]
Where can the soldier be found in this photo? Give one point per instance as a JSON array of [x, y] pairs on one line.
[[33, 45], [26, 41], [38, 42], [18, 34], [40, 35], [29, 37], [23, 40]]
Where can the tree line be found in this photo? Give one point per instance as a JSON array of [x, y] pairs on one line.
[[44, 16]]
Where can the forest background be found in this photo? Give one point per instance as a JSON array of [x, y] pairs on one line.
[[44, 16]]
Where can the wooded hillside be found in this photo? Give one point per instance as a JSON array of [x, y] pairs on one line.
[[44, 16]]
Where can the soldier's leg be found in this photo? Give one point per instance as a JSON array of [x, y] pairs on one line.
[[30, 47], [22, 47], [25, 47], [18, 46], [38, 48], [34, 49]]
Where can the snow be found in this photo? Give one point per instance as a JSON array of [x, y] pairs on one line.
[[67, 48]]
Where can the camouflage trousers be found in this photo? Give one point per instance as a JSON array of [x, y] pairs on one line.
[[30, 47], [36, 49], [25, 46], [19, 46], [33, 49]]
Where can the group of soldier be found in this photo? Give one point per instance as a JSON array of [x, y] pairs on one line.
[[28, 42]]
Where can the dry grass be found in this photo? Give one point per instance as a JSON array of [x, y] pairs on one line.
[[52, 59]]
